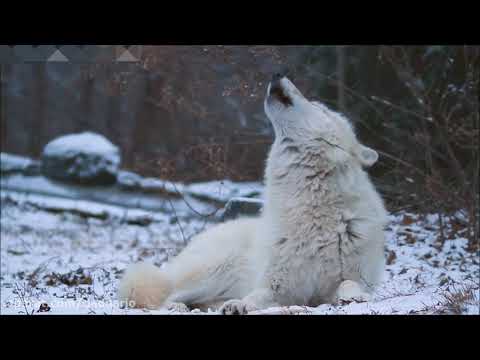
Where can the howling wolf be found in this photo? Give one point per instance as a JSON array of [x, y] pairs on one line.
[[319, 239]]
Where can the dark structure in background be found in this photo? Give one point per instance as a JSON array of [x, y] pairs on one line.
[[177, 109], [183, 112], [194, 113]]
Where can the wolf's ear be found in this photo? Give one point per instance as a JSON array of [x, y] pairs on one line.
[[367, 156]]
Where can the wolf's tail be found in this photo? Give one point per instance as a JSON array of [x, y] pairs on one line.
[[144, 286]]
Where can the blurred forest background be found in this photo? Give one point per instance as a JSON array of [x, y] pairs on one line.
[[194, 113]]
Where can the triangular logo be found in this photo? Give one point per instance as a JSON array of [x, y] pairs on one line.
[[57, 56], [127, 56], [74, 54]]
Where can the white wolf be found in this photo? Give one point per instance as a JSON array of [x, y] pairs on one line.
[[319, 239]]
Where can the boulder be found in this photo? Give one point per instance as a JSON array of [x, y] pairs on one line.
[[242, 206], [84, 158]]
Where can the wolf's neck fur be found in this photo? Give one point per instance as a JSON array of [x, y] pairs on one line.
[[326, 195]]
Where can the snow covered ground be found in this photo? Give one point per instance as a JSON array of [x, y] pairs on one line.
[[64, 256]]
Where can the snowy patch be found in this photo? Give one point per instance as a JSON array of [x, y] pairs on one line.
[[14, 163], [128, 179], [60, 256]]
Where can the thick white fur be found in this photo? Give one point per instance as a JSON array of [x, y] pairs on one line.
[[319, 238]]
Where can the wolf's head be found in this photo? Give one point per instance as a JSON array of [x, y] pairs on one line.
[[296, 119]]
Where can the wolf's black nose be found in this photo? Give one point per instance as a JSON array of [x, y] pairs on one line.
[[277, 76], [280, 74]]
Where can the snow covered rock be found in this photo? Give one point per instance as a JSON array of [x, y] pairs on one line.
[[85, 158], [18, 164], [224, 190], [242, 206]]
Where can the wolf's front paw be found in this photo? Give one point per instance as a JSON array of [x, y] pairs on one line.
[[235, 307], [350, 291], [178, 307]]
